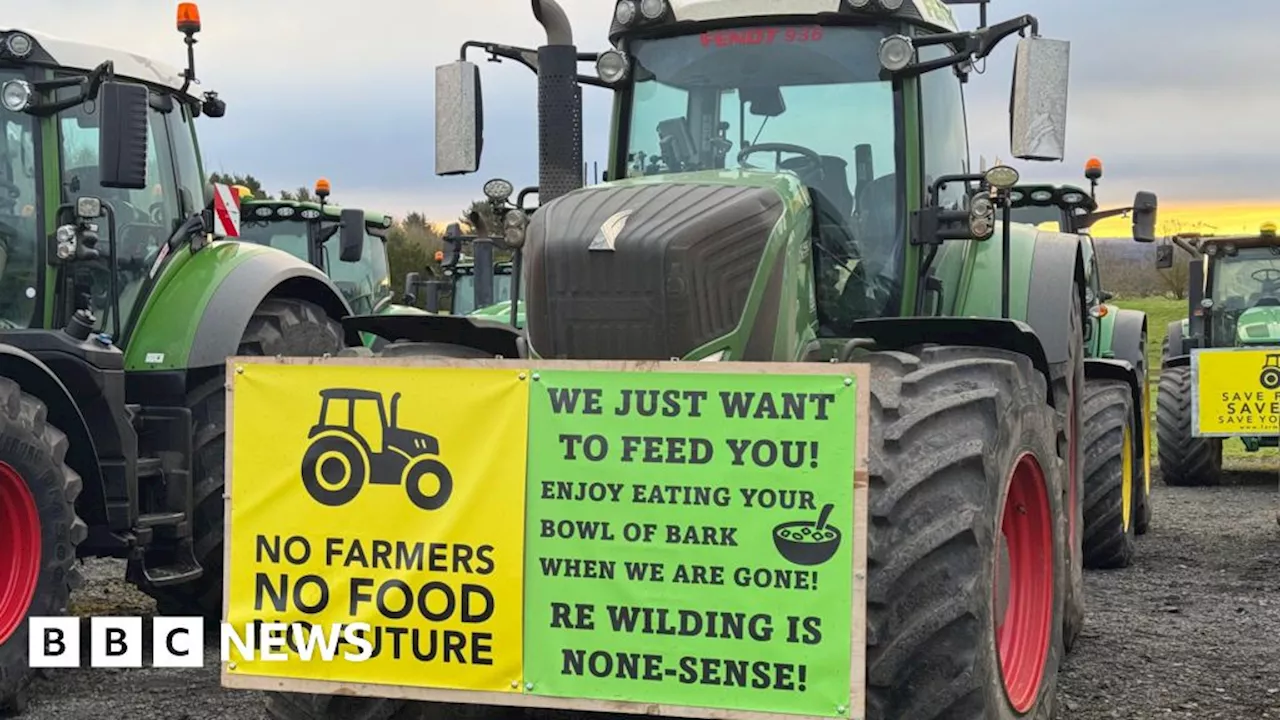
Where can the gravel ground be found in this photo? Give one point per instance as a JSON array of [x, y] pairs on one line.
[[1191, 630]]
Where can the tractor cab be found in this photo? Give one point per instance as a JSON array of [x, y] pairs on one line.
[[1235, 287], [347, 244]]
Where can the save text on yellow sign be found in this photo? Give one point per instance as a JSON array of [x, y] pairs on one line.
[[1236, 392], [391, 498]]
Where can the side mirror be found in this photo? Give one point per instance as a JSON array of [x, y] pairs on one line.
[[1038, 111], [411, 281], [351, 235], [459, 118], [1144, 217], [1164, 257], [122, 136], [1106, 296]]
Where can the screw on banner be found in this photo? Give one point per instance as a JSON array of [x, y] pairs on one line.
[[339, 460]]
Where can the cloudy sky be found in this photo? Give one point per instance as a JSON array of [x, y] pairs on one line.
[[1175, 98]]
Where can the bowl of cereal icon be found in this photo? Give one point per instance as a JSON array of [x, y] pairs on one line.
[[807, 542]]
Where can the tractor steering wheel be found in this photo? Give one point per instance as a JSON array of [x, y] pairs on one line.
[[814, 166], [1266, 276]]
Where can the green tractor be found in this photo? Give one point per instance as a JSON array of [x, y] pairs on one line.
[[310, 231], [473, 283], [1116, 404], [122, 292], [1233, 301], [872, 242]]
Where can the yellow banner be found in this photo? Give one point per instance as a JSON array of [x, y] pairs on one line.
[[383, 495], [1237, 392]]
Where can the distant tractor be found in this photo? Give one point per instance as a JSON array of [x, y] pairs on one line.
[[869, 240], [344, 454], [1233, 301], [123, 289], [1117, 419], [310, 230]]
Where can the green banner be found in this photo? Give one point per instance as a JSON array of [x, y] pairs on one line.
[[689, 539]]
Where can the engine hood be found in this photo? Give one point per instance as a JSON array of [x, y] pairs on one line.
[[651, 267], [1259, 326]]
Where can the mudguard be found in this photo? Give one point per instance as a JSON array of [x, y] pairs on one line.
[[231, 306], [1056, 267], [1177, 354], [1115, 369], [490, 336], [1129, 338], [36, 379], [1014, 335]]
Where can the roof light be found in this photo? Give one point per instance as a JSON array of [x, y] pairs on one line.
[[1093, 169], [1072, 198], [859, 4], [19, 44], [653, 9], [15, 95], [322, 188], [896, 52], [263, 212], [498, 190], [612, 66], [1042, 196], [625, 12], [310, 214], [188, 18], [285, 212], [891, 5]]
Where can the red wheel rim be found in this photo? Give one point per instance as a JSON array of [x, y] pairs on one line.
[[20, 560], [1023, 629]]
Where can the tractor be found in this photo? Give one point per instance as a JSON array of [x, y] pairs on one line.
[[1117, 413], [872, 242], [310, 231], [122, 292], [1233, 301], [342, 457], [477, 283]]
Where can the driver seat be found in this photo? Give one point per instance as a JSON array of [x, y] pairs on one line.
[[832, 200]]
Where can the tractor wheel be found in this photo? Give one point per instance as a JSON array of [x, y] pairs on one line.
[[1068, 393], [1110, 483], [39, 532], [308, 706], [288, 327], [1185, 460], [1142, 472], [335, 468], [968, 572]]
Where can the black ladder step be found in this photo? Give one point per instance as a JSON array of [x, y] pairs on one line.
[[150, 467], [157, 519]]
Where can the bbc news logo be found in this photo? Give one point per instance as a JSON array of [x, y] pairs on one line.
[[178, 642]]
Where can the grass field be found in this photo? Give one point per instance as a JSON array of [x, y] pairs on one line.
[[1160, 312]]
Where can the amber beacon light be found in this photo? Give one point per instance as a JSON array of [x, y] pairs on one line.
[[188, 18]]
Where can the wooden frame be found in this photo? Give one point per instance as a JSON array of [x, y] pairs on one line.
[[857, 679]]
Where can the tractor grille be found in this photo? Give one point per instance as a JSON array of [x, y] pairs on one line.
[[678, 276]]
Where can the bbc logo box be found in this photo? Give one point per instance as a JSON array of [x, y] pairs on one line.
[[116, 642]]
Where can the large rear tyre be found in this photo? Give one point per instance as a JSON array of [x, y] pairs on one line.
[[1142, 488], [965, 592], [1185, 460], [307, 706], [39, 532], [1110, 480], [293, 328]]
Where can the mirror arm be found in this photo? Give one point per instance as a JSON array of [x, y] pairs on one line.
[[988, 38], [597, 82], [89, 86], [496, 51], [1186, 246]]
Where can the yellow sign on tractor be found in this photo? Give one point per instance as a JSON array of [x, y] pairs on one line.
[[1236, 392]]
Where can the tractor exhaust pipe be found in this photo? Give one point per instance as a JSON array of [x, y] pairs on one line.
[[559, 105]]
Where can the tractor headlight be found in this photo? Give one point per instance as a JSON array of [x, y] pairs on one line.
[[1041, 196], [625, 12], [18, 44], [896, 52], [310, 214], [262, 212], [612, 66], [285, 212], [498, 190], [982, 216], [891, 5], [66, 241], [1001, 177], [653, 9], [1072, 198], [16, 95]]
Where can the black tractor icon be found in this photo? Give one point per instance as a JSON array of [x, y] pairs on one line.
[[340, 460], [1270, 377]]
